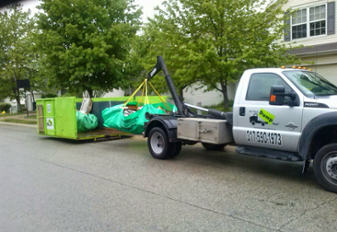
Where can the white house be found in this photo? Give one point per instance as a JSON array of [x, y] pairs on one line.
[[314, 26]]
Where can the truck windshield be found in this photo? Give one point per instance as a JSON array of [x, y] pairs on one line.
[[311, 84]]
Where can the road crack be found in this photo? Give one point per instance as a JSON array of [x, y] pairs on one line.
[[55, 152], [305, 211]]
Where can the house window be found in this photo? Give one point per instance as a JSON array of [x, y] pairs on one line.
[[309, 22]]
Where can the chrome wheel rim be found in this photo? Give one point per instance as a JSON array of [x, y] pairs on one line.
[[331, 167], [157, 143]]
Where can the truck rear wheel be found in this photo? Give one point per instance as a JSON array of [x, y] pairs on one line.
[[159, 146], [325, 167], [213, 147], [175, 149]]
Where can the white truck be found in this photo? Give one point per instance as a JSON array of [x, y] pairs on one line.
[[280, 113]]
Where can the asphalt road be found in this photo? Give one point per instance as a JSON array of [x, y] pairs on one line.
[[49, 184]]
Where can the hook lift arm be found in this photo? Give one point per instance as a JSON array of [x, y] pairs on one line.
[[180, 106], [161, 66]]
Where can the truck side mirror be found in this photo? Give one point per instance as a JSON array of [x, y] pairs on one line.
[[277, 93]]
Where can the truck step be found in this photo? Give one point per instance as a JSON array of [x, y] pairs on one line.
[[268, 153]]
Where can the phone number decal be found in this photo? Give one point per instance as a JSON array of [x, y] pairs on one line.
[[264, 137]]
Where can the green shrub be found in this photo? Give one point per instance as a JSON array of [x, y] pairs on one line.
[[22, 108], [5, 107], [230, 103], [49, 95], [221, 106]]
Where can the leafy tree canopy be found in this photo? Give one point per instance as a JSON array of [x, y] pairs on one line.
[[212, 42], [17, 59], [85, 43]]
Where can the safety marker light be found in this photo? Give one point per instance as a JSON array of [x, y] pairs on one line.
[[272, 98]]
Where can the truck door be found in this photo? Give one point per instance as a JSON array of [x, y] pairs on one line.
[[262, 125]]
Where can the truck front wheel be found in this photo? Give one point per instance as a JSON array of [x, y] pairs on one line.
[[325, 167]]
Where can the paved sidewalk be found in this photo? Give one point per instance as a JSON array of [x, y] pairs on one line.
[[19, 117]]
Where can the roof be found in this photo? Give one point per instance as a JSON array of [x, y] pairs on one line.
[[329, 48]]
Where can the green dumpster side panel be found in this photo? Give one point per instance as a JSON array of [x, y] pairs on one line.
[[65, 114], [49, 116], [59, 117]]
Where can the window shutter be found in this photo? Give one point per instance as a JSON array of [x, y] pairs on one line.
[[287, 28], [331, 18]]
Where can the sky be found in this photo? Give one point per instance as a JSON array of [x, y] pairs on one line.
[[148, 6]]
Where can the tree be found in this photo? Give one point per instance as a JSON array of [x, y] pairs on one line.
[[156, 39], [85, 43], [16, 55], [213, 41]]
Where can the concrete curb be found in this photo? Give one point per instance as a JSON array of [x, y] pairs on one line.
[[18, 124]]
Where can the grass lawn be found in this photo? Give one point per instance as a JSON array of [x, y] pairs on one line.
[[19, 121], [31, 116], [8, 115]]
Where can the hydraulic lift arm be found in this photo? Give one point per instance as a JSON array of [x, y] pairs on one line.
[[180, 106], [161, 66]]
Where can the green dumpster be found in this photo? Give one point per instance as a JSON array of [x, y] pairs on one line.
[[57, 116]]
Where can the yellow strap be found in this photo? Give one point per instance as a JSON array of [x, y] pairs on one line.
[[133, 95], [160, 97], [146, 98], [141, 98]]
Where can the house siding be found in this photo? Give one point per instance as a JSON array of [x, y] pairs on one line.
[[319, 53], [327, 71], [115, 93], [201, 98]]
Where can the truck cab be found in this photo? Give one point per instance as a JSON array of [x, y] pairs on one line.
[[256, 122], [299, 111], [306, 95]]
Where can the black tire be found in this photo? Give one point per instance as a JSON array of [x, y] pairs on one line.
[[213, 147], [175, 149], [325, 167], [190, 143], [253, 123], [262, 123], [158, 144]]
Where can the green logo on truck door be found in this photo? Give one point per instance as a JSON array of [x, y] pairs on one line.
[[266, 116]]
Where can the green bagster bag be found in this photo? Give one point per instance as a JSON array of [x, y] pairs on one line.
[[133, 123], [86, 122]]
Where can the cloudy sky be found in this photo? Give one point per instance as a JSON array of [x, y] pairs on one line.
[[147, 6]]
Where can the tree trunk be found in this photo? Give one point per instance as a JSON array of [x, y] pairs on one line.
[[17, 98], [225, 95], [16, 93], [181, 94]]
